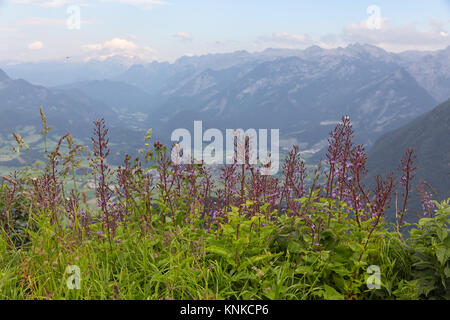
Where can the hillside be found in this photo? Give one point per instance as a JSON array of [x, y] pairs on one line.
[[429, 135], [66, 111], [118, 95]]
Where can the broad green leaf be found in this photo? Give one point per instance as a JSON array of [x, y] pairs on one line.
[[442, 234], [424, 221], [304, 270], [220, 251], [447, 272], [442, 254], [295, 247], [331, 293]]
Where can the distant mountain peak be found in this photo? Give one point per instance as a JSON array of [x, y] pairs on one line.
[[122, 60], [314, 49], [366, 48]]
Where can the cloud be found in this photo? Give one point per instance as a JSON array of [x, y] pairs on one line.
[[36, 45], [389, 36], [37, 21], [185, 36], [289, 38], [43, 3], [118, 47], [295, 41], [115, 43], [143, 4], [4, 30], [398, 37]]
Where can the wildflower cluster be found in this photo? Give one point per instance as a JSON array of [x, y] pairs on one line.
[[307, 233]]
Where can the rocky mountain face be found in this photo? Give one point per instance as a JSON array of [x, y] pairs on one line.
[[431, 70], [303, 93]]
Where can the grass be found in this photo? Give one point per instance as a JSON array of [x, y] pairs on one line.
[[188, 262]]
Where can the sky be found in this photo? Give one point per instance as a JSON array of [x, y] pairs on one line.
[[164, 30]]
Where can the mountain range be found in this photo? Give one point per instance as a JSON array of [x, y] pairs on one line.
[[303, 98], [431, 69], [304, 93]]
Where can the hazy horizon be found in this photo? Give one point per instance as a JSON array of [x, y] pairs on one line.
[[135, 60], [155, 30]]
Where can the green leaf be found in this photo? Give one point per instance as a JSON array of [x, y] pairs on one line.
[[447, 272], [220, 251], [442, 254], [264, 256], [227, 229], [442, 234], [304, 270], [241, 242], [424, 221], [249, 203], [342, 253], [295, 247], [331, 293]]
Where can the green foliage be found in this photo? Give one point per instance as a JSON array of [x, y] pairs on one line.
[[258, 257], [430, 246]]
